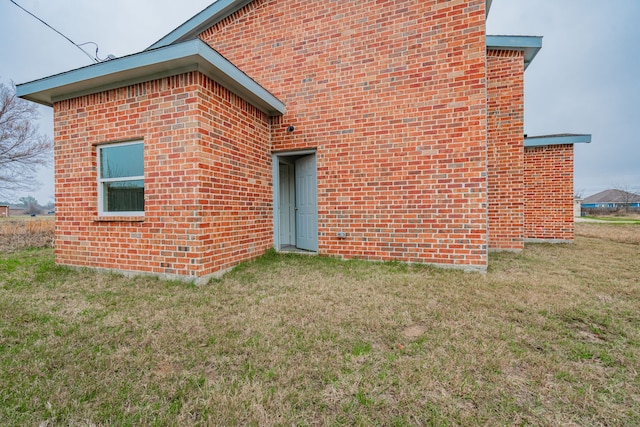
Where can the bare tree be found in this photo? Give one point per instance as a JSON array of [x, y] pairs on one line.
[[31, 205], [22, 148], [625, 195]]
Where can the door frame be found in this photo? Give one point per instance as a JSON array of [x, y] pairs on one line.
[[275, 165]]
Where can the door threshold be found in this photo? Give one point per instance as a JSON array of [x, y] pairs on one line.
[[290, 249]]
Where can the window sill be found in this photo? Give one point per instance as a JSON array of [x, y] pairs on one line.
[[122, 218]]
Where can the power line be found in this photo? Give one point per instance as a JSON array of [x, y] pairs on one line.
[[95, 60]]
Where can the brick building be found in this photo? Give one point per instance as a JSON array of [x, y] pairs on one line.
[[388, 130]]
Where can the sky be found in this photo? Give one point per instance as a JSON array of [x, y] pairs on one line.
[[585, 79], [29, 50]]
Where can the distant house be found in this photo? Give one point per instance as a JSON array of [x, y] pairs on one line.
[[612, 199], [4, 210], [16, 210], [377, 130]]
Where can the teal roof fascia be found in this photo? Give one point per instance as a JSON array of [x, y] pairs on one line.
[[150, 65], [530, 45], [212, 15], [200, 22], [541, 141]]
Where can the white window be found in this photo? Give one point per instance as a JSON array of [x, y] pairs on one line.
[[121, 179]]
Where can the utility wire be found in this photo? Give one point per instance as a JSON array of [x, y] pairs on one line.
[[95, 60]]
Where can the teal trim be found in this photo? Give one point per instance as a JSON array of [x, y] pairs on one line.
[[541, 141], [203, 20], [275, 179], [149, 65], [212, 15], [530, 45]]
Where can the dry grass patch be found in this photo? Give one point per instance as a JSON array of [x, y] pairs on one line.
[[616, 232], [26, 232], [550, 336]]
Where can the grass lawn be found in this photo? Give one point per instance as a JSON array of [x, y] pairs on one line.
[[616, 219], [550, 336]]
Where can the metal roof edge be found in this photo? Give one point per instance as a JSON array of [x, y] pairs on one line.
[[541, 141], [37, 90], [214, 14], [200, 22], [238, 82], [530, 45], [150, 65]]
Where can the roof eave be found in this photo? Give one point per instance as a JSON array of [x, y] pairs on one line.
[[203, 20], [541, 141], [488, 6], [151, 65], [530, 45], [214, 14]]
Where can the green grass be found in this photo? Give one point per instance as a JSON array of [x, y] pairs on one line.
[[616, 219], [550, 336]]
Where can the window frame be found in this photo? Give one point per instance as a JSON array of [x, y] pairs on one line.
[[102, 181]]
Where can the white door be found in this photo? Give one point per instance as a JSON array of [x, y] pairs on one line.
[[306, 203]]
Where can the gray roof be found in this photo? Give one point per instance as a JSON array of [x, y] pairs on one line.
[[612, 196]]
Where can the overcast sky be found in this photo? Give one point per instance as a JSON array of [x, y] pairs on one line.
[[586, 78]]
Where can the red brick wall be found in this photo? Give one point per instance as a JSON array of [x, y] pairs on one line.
[[235, 172], [393, 97], [194, 135], [505, 100], [549, 193]]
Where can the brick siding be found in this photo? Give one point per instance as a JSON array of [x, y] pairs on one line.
[[418, 134], [393, 98], [549, 193], [505, 100], [205, 179]]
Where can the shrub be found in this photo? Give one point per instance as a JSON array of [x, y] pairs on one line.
[[22, 233]]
